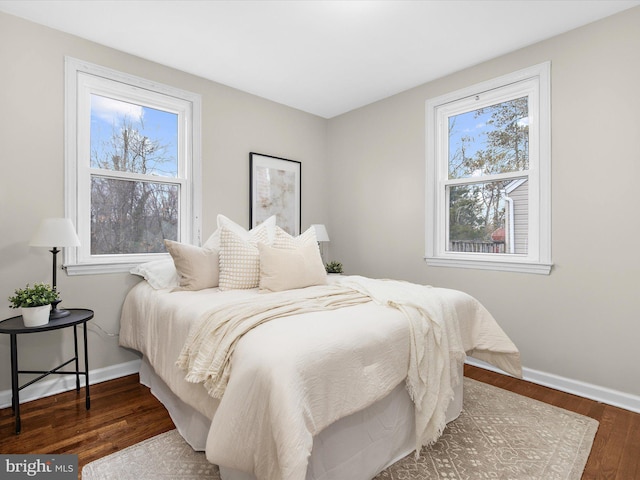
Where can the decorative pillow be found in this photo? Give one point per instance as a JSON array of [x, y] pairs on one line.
[[213, 242], [284, 240], [197, 267], [240, 258], [159, 273], [289, 268]]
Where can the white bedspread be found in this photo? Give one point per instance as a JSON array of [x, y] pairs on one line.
[[206, 355], [293, 376]]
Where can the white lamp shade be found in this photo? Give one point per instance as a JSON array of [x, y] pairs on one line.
[[321, 233], [55, 232]]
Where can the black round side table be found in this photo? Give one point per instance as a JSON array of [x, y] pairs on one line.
[[15, 326]]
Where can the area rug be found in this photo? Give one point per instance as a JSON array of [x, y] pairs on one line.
[[500, 435]]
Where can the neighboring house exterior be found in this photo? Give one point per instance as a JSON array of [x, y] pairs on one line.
[[517, 216]]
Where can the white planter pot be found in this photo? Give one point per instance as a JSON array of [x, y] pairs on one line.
[[36, 316]]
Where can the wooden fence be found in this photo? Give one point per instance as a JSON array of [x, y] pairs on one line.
[[476, 246]]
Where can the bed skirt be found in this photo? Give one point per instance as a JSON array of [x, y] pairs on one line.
[[356, 447]]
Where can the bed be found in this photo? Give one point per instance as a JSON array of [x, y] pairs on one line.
[[314, 378]]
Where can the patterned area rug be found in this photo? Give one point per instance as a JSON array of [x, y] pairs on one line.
[[499, 435]]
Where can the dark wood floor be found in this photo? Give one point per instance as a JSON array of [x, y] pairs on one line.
[[123, 413]]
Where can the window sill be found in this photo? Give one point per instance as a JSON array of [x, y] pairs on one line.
[[95, 269], [504, 266]]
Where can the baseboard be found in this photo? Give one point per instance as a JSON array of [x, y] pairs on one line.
[[575, 387], [63, 383]]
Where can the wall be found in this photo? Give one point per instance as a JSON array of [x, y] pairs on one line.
[[582, 321], [31, 185]]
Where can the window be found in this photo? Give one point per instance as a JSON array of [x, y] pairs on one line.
[[488, 175], [132, 167]]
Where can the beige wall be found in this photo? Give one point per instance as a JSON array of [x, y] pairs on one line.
[[583, 320], [31, 185]]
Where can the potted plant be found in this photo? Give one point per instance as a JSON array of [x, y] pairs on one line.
[[334, 267], [35, 303]]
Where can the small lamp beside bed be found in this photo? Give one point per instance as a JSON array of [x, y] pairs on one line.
[[322, 237], [54, 233]]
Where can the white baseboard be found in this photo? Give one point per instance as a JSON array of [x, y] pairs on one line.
[[63, 383], [575, 387]]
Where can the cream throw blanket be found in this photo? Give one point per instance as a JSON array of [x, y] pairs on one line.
[[435, 350]]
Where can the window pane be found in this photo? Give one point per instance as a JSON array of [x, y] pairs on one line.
[[490, 140], [133, 138], [132, 217], [490, 217]]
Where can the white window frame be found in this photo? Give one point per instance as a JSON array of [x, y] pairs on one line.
[[83, 79], [533, 82]]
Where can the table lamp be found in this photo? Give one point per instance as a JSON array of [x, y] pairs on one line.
[[321, 236], [55, 232]]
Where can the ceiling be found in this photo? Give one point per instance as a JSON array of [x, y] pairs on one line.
[[323, 57]]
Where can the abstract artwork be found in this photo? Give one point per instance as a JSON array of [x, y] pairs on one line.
[[275, 190]]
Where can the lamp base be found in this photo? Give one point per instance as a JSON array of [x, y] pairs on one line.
[[57, 313]]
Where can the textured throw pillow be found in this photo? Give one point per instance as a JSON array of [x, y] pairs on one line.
[[283, 240], [213, 242], [197, 267], [159, 274], [289, 268], [240, 258]]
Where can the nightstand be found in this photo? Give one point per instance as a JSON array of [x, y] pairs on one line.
[[15, 326]]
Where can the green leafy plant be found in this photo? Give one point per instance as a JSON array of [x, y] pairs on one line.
[[333, 267], [38, 295]]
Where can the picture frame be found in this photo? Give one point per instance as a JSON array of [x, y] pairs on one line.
[[275, 189]]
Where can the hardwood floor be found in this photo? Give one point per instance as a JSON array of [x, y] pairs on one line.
[[123, 413]]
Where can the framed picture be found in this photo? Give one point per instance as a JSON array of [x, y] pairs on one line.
[[275, 190]]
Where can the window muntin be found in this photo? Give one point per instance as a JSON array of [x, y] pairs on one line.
[[132, 169], [488, 147], [488, 175], [483, 142]]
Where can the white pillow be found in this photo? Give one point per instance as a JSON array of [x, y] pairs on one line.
[[159, 273], [284, 240], [197, 267], [213, 242], [240, 258], [289, 268]]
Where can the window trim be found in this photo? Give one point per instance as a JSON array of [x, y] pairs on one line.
[[538, 258], [77, 262]]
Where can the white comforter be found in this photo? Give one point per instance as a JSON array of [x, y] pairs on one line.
[[293, 376]]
